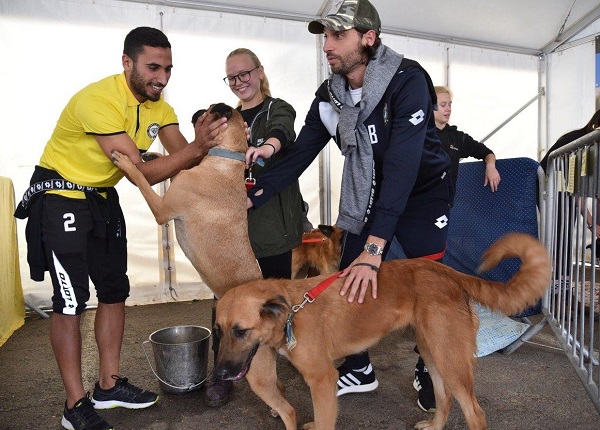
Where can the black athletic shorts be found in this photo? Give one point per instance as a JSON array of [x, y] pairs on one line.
[[74, 256], [422, 229]]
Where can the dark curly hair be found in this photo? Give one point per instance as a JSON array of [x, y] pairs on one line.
[[370, 50], [144, 36]]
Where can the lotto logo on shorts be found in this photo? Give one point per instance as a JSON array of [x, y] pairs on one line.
[[441, 222], [66, 289]]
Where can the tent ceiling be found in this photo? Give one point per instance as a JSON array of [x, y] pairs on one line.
[[526, 26]]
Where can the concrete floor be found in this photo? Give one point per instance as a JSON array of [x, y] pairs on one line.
[[533, 388]]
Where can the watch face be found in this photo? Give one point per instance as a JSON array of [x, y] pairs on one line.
[[373, 249]]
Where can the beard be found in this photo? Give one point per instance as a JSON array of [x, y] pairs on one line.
[[138, 85], [351, 61]]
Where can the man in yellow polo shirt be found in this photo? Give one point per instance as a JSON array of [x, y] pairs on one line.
[[76, 227]]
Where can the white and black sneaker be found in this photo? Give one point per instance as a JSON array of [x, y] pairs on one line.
[[423, 384], [83, 416], [123, 395], [356, 380]]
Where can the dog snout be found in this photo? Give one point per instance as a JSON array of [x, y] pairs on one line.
[[228, 369]]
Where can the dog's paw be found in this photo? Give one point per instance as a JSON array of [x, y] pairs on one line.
[[425, 425], [309, 426]]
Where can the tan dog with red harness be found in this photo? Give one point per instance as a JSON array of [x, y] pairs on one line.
[[312, 328]]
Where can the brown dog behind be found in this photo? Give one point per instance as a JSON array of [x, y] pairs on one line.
[[319, 252], [432, 298]]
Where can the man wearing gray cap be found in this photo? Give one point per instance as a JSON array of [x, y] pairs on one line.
[[378, 107]]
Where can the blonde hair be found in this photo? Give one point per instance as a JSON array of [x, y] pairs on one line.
[[443, 89], [264, 82]]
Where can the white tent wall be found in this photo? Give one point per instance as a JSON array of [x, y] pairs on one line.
[[571, 84], [570, 89], [56, 47], [489, 86]]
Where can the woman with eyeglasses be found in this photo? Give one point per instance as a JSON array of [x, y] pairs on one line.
[[275, 228]]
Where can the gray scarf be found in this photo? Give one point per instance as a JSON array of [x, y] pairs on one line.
[[358, 176]]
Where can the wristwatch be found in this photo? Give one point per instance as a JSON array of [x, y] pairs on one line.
[[373, 248]]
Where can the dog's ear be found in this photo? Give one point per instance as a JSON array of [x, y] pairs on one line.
[[221, 110], [275, 308], [327, 230], [197, 115]]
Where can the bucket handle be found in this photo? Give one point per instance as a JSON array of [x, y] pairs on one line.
[[190, 387]]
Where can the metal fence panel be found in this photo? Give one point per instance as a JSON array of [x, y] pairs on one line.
[[570, 205]]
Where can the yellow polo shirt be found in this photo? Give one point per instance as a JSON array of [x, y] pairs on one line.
[[104, 108]]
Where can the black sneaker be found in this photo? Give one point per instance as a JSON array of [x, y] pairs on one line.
[[83, 416], [124, 395], [356, 380], [424, 386]]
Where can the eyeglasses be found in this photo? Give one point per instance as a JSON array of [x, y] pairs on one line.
[[242, 76]]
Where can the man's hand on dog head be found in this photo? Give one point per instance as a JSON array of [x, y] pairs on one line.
[[207, 131]]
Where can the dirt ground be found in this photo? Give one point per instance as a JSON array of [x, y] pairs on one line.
[[534, 388]]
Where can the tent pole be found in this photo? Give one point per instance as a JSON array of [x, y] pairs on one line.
[[542, 112], [325, 154]]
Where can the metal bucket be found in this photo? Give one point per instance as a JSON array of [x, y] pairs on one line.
[[181, 357]]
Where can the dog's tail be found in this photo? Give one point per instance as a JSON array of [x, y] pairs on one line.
[[526, 286]]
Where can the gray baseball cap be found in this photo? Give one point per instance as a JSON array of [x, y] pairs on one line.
[[351, 14]]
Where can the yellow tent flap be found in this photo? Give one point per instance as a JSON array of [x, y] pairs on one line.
[[12, 304]]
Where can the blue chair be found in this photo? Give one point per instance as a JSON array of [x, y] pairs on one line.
[[480, 217]]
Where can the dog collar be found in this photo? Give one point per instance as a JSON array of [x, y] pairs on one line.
[[226, 153], [314, 240], [234, 155]]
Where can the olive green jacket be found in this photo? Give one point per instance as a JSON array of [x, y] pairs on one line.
[[275, 227]]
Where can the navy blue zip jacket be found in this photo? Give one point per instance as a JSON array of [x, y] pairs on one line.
[[408, 158]]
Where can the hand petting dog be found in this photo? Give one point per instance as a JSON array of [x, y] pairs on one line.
[[362, 273]]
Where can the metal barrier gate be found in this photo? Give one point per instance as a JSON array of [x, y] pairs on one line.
[[570, 214]]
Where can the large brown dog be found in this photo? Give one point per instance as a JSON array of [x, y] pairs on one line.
[[208, 204], [431, 298], [319, 252]]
